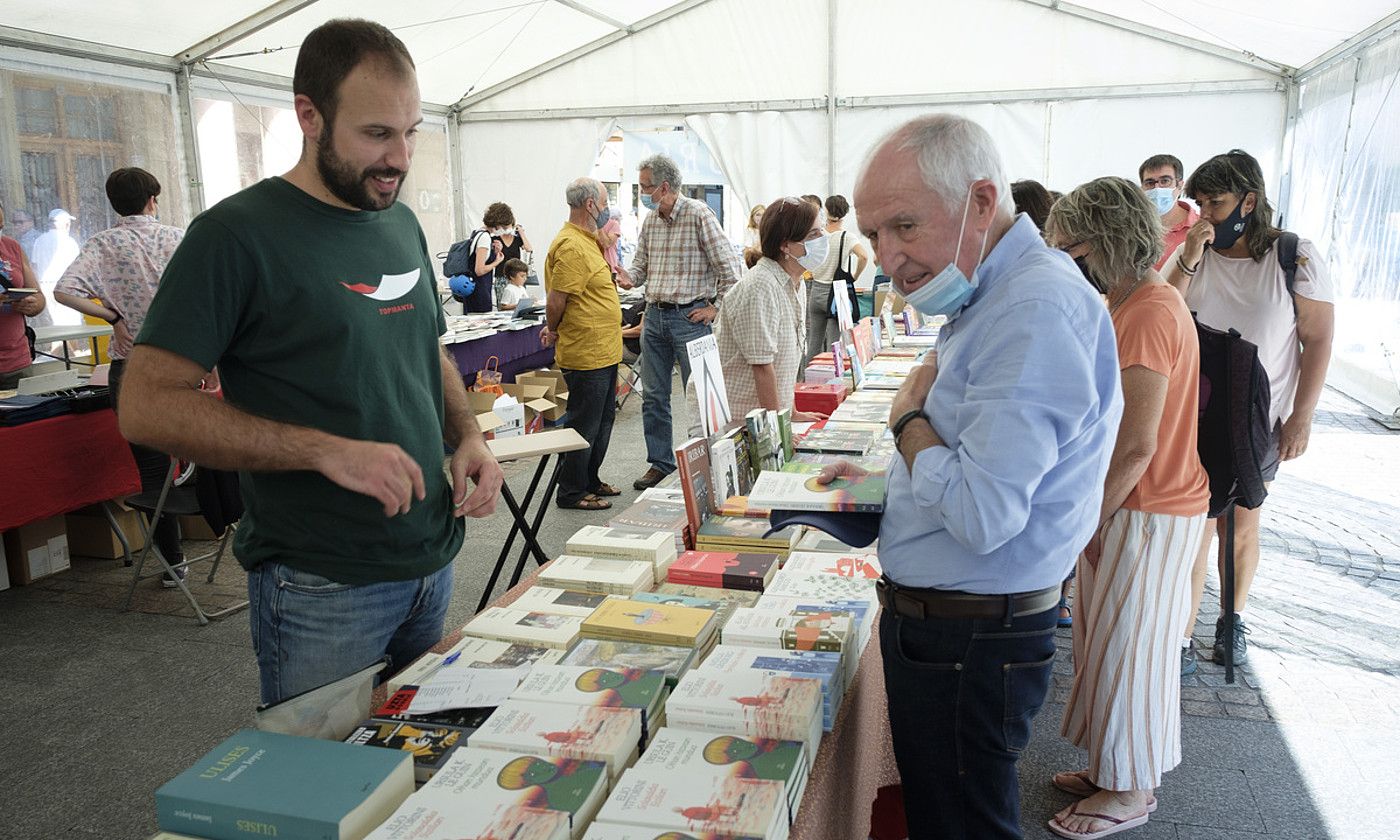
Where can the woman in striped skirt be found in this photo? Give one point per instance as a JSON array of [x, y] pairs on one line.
[[1135, 575]]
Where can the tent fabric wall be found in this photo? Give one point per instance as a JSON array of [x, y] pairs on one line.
[[766, 155]]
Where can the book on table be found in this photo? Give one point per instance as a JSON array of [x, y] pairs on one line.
[[491, 779], [764, 447], [723, 607], [672, 660], [823, 585], [820, 541], [851, 563], [748, 702], [396, 710], [643, 621], [737, 756], [724, 469], [862, 614], [755, 627], [689, 801], [596, 685], [599, 575], [609, 831], [843, 442], [798, 487], [657, 548], [552, 599], [724, 569], [490, 653], [650, 516], [560, 730], [741, 533], [453, 818], [693, 467], [739, 597], [740, 506], [430, 746], [827, 668], [862, 411], [264, 783], [525, 626]]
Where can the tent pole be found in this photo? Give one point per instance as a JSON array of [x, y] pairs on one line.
[[831, 97], [1290, 128], [193, 177], [1367, 37], [459, 184]]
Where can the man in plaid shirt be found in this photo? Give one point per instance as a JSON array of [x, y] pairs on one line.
[[686, 264]]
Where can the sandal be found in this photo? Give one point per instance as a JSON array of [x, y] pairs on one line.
[[589, 502], [1077, 783], [606, 489], [1066, 619], [1116, 824]]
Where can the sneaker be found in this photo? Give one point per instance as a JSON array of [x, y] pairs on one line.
[[1241, 647], [169, 582], [651, 478], [1188, 660]]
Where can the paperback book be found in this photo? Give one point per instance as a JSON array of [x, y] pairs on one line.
[[492, 779], [724, 569], [598, 575], [723, 607], [559, 730], [430, 746], [554, 600], [689, 801], [851, 564], [724, 469], [862, 614], [681, 750], [489, 653], [827, 668], [763, 445], [739, 597], [742, 533], [627, 620], [862, 411], [395, 710], [449, 818], [756, 627], [693, 467], [671, 660], [658, 549], [798, 488], [822, 542], [612, 687], [750, 703], [647, 517], [843, 442], [741, 506], [526, 627]]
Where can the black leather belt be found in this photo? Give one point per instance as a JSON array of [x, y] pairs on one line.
[[661, 304], [924, 604]]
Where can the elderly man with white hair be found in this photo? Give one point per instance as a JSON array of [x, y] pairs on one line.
[[584, 323], [1003, 440]]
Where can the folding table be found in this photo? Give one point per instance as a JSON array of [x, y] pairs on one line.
[[539, 445]]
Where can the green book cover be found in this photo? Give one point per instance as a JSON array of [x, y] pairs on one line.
[[785, 433], [266, 784], [494, 778]]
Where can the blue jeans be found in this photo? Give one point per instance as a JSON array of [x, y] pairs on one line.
[[961, 694], [592, 406], [664, 336], [309, 630]]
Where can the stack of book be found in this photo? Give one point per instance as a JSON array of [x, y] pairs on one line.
[[625, 620], [738, 597], [598, 575], [825, 667], [851, 563], [849, 441], [504, 624], [826, 630], [396, 710], [690, 804], [797, 487], [723, 607], [491, 779], [430, 746], [861, 613], [743, 534], [820, 541], [443, 818], [750, 703], [563, 601], [651, 516], [593, 685], [671, 660], [704, 753], [489, 653], [656, 548], [559, 730], [873, 412], [724, 569]]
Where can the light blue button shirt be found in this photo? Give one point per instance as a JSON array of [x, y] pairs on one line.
[[1028, 402]]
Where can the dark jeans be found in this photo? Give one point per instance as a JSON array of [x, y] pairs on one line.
[[665, 332], [592, 406], [152, 465], [962, 693]]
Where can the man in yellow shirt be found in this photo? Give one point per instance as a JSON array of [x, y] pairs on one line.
[[584, 323]]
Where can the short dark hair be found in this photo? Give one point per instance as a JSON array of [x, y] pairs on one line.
[[1238, 173], [498, 214], [512, 267], [837, 207], [131, 189], [335, 48], [785, 220], [815, 199], [1159, 161], [1031, 198]]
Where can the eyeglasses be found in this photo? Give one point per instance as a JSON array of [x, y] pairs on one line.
[[1164, 181]]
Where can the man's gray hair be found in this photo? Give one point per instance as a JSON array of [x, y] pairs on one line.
[[663, 169], [581, 190], [953, 152]]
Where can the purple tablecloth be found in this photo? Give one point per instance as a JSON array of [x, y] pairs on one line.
[[518, 351]]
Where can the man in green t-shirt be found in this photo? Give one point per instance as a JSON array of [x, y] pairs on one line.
[[314, 294]]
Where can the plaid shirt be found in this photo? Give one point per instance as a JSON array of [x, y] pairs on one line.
[[686, 257], [763, 321]]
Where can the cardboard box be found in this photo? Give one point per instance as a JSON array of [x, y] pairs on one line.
[[481, 405], [91, 535], [537, 405], [511, 414], [557, 393], [195, 528], [36, 550]]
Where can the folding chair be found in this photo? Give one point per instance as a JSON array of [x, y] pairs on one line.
[[631, 380], [176, 497]]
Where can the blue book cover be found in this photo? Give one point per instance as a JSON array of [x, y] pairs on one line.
[[266, 784]]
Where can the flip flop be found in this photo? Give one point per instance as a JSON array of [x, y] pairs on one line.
[[606, 489], [1066, 620], [1116, 824], [589, 502], [1077, 783]]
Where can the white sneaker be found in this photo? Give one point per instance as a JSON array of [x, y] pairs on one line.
[[169, 582]]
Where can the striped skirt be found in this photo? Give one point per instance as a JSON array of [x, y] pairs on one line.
[[1130, 617]]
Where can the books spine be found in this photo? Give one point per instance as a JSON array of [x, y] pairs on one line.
[[186, 815]]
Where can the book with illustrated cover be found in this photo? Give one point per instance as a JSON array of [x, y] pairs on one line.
[[673, 495], [755, 627], [671, 660], [647, 517], [287, 786], [452, 818], [744, 531], [862, 615], [690, 801], [524, 626], [489, 653], [559, 730], [867, 462], [395, 710], [743, 456], [693, 467], [657, 548], [732, 755], [764, 447], [491, 779], [430, 746], [599, 575], [724, 569], [752, 703], [740, 597], [555, 600], [823, 586], [724, 469], [642, 621], [824, 543], [846, 442], [795, 488], [723, 608], [740, 506], [826, 667], [785, 433], [606, 831], [891, 367], [886, 397], [593, 685], [850, 563], [862, 411]]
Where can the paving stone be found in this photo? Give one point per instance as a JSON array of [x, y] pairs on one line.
[[1236, 710], [1193, 707], [1241, 696]]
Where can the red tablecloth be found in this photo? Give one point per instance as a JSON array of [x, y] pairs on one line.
[[57, 465]]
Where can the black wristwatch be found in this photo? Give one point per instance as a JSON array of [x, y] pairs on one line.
[[114, 321], [904, 419]]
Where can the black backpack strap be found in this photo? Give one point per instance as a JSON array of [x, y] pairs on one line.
[[1288, 261]]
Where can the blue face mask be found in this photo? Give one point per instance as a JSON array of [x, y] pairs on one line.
[[949, 291], [603, 217], [1228, 232], [1164, 199], [647, 201]]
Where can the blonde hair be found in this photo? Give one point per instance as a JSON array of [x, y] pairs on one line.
[[1113, 216], [757, 208]]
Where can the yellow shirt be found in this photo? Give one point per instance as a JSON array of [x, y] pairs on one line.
[[590, 333]]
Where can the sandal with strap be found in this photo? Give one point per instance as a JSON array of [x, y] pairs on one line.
[[606, 489], [589, 502], [1077, 783], [1116, 824]]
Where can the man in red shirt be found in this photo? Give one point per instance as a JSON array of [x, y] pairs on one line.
[[1161, 177]]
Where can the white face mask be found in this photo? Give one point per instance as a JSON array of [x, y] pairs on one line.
[[506, 231], [816, 253]]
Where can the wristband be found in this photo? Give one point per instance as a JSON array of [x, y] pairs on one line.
[[114, 321], [904, 420]]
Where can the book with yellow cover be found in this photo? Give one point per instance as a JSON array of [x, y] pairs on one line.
[[641, 621]]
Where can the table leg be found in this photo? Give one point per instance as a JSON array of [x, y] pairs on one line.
[[532, 545], [505, 550]]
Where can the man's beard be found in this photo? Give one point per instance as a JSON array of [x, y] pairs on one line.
[[348, 185]]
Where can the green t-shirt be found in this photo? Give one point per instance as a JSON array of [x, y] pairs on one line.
[[325, 318]]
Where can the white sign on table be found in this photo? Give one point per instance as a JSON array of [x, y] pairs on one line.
[[710, 393]]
